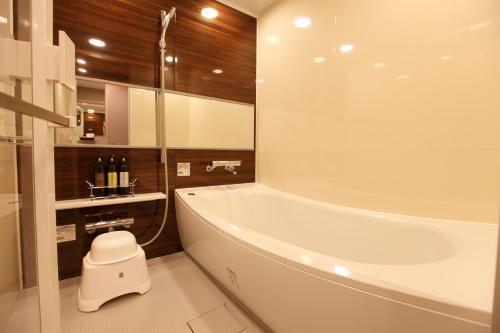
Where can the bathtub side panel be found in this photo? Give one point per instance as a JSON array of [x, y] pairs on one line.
[[293, 301]]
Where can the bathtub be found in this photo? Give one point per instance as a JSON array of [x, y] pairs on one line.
[[304, 266]]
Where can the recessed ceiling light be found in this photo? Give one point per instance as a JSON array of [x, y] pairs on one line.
[[3, 19], [446, 57], [259, 81], [346, 48], [402, 77], [218, 71], [302, 22], [272, 39], [90, 110], [82, 70], [319, 60], [81, 61], [379, 65], [209, 13], [97, 42]]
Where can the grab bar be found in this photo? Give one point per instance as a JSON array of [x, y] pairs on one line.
[[13, 104]]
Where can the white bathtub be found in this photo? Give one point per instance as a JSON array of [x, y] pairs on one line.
[[304, 266]]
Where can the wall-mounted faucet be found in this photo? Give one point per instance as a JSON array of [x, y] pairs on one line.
[[229, 166], [110, 225]]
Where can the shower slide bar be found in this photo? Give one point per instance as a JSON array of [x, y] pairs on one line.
[[13, 104]]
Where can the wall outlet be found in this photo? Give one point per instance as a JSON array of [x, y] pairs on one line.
[[183, 169]]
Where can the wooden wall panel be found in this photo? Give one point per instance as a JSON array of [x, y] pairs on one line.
[[227, 43], [76, 163], [131, 30]]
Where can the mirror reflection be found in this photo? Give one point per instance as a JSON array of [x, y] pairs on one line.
[[91, 111], [110, 114]]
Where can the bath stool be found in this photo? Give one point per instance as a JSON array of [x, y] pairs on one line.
[[114, 266]]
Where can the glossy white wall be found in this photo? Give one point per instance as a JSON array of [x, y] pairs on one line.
[[386, 105]]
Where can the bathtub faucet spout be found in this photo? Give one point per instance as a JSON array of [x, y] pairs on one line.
[[229, 166]]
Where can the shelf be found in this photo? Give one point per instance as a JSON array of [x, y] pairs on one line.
[[84, 203]]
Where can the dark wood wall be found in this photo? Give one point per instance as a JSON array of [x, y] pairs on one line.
[[75, 164], [131, 30]]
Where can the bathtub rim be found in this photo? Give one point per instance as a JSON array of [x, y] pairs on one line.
[[264, 245]]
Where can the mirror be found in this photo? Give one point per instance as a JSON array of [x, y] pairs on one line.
[[117, 114], [91, 110], [195, 122], [109, 114]]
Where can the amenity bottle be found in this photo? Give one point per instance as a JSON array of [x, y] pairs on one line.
[[99, 178], [124, 177], [112, 176]]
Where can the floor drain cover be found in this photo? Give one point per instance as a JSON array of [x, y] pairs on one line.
[[218, 320]]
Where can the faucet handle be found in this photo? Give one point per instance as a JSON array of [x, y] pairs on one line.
[[230, 169]]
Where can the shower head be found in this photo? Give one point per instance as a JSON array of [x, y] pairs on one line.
[[165, 21]]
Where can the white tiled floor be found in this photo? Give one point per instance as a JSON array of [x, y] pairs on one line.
[[26, 315], [218, 320], [181, 293]]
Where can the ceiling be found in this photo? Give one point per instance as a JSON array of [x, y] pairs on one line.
[[90, 84], [250, 7]]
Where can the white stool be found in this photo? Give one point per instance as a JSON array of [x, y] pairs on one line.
[[114, 266]]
